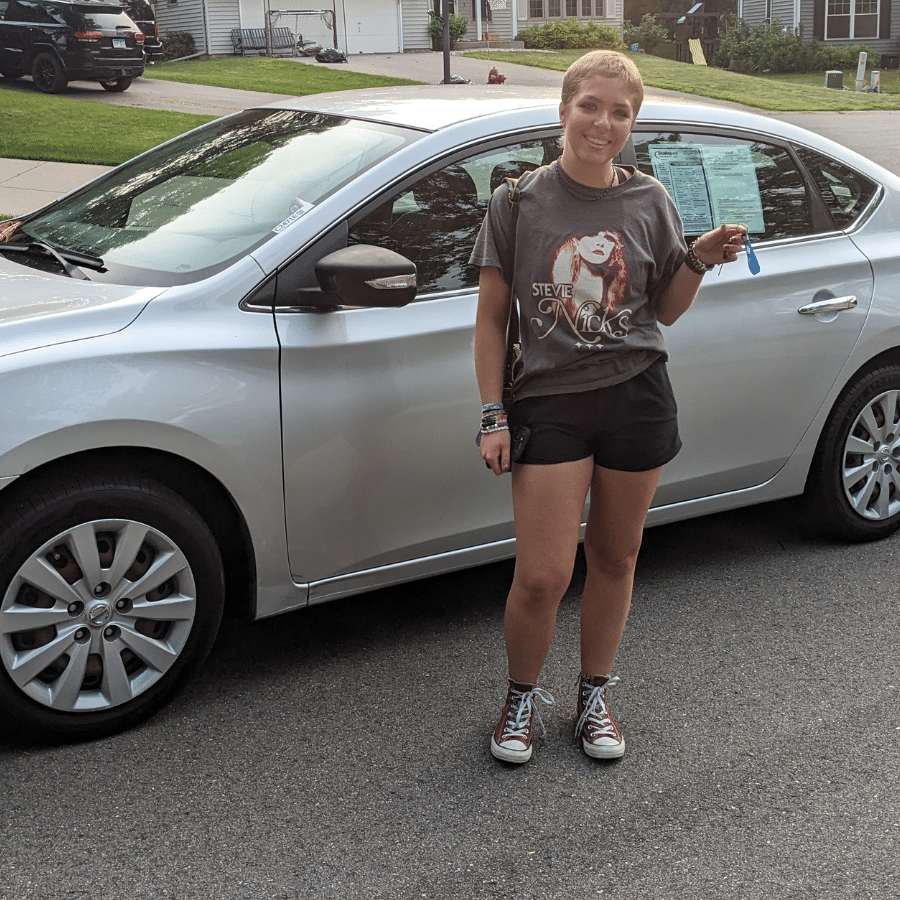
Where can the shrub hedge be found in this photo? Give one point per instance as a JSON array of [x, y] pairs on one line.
[[773, 48], [571, 34]]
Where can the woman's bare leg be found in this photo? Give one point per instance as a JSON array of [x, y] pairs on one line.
[[619, 505], [548, 502]]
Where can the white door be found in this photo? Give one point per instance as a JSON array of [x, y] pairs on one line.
[[369, 26]]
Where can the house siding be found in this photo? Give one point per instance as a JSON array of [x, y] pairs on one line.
[[415, 25], [783, 10], [186, 15], [227, 16], [811, 22]]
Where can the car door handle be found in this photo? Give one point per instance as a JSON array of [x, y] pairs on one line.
[[835, 304]]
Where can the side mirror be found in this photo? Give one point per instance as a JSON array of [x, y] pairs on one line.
[[363, 275]]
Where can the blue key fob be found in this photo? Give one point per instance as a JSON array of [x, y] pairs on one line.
[[752, 261]]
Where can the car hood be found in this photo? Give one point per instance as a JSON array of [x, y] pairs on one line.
[[40, 310]]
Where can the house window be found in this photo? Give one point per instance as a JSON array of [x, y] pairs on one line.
[[571, 8], [536, 9], [851, 19], [554, 9]]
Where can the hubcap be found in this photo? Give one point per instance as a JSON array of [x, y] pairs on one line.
[[97, 615], [871, 461]]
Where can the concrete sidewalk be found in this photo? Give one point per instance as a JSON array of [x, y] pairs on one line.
[[27, 184]]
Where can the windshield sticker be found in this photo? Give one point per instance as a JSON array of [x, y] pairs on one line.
[[300, 208], [711, 184]]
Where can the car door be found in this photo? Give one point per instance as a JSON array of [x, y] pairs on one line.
[[381, 406], [754, 358], [18, 31]]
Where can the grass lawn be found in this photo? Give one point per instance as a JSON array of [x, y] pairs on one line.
[[62, 129], [777, 93], [270, 76]]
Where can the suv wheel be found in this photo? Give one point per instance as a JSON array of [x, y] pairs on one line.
[[48, 74], [116, 85]]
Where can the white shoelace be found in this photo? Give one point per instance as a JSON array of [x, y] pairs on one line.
[[596, 714], [521, 710]]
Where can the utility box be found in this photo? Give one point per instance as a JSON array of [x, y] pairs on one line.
[[834, 78], [890, 61]]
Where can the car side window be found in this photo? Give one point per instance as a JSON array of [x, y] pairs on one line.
[[846, 193], [715, 179], [435, 220], [30, 12]]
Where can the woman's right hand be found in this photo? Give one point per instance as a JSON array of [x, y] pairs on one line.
[[495, 451]]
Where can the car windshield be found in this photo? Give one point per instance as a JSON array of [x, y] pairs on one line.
[[193, 206]]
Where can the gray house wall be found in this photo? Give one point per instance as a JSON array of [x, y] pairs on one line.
[[812, 22], [415, 25]]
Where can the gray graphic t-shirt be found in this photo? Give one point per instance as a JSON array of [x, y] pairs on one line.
[[588, 274]]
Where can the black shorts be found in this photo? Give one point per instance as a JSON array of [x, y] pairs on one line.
[[631, 427]]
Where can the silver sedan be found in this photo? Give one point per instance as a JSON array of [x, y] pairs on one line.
[[237, 370]]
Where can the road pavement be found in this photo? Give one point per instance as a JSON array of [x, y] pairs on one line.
[[341, 752]]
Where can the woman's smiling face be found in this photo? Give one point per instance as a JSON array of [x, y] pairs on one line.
[[596, 124]]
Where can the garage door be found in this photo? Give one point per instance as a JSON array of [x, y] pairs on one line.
[[371, 26]]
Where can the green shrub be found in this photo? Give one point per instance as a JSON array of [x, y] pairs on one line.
[[652, 37], [571, 34], [177, 44], [772, 48], [458, 27]]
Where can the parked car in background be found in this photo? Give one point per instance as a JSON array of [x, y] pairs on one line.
[[141, 13], [237, 371], [58, 41]]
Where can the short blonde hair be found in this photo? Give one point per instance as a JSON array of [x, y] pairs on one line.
[[609, 64]]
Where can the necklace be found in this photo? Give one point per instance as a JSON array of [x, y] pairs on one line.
[[569, 188]]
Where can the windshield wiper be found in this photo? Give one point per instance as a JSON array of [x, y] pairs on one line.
[[65, 258]]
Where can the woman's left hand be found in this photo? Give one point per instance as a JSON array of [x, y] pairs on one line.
[[721, 245]]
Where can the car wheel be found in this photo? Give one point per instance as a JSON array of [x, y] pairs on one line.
[[116, 85], [111, 595], [48, 75], [854, 484]]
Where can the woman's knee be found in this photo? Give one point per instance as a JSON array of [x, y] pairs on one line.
[[541, 588], [616, 560]]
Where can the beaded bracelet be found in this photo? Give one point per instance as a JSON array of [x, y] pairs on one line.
[[694, 263], [489, 421], [492, 428]]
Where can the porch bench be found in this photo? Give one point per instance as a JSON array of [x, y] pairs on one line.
[[246, 40]]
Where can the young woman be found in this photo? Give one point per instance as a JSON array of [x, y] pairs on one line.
[[600, 260]]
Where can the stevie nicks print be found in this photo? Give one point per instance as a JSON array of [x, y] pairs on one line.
[[590, 282]]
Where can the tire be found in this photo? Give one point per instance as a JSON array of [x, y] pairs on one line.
[[48, 74], [854, 484], [117, 85], [111, 596]]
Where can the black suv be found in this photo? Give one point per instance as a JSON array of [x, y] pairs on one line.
[[58, 41], [141, 13]]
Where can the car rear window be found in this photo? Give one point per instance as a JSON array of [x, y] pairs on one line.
[[846, 193], [104, 19]]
